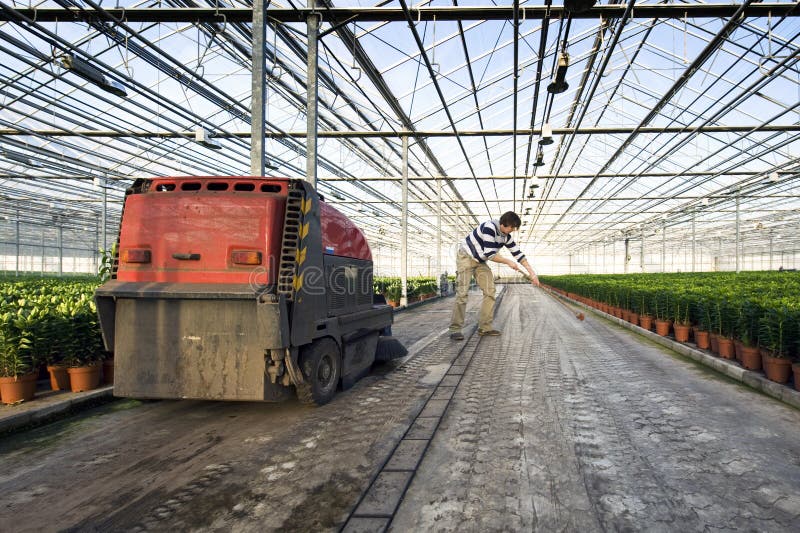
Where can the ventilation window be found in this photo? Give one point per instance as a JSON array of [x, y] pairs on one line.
[[190, 186], [266, 187], [217, 186], [162, 187], [244, 187]]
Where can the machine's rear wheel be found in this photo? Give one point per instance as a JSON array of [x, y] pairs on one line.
[[321, 364]]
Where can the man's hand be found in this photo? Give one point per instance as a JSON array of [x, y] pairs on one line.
[[534, 279]]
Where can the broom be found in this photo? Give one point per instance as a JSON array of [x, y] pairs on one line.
[[578, 315]]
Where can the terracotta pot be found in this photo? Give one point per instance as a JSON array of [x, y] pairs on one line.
[[393, 303], [646, 322], [84, 378], [712, 338], [662, 327], [108, 371], [18, 388], [737, 349], [796, 369], [633, 318], [751, 359], [725, 347], [777, 369], [681, 332], [624, 315], [701, 338], [59, 379]]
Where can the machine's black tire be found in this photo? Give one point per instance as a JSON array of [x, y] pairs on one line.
[[321, 365]]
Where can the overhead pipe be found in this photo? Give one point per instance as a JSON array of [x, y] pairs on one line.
[[340, 15]]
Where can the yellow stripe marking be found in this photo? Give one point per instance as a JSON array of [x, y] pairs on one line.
[[298, 282], [300, 256], [305, 205], [304, 231]]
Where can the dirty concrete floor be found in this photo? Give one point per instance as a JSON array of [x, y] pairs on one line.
[[217, 466], [556, 425], [562, 425]]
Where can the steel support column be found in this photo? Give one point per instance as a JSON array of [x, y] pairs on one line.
[[439, 232], [627, 255], [98, 256], [60, 247], [105, 216], [16, 263], [694, 242], [770, 250], [312, 23], [738, 234], [404, 224], [663, 247], [641, 254], [258, 102]]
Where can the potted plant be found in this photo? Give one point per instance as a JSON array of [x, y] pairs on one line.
[[46, 342], [747, 333], [702, 316], [645, 318], [393, 293], [81, 344], [771, 337], [682, 323], [663, 309], [725, 320], [17, 375]]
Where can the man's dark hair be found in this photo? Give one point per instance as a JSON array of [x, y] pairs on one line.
[[510, 218]]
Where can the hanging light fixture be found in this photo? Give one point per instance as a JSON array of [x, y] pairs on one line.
[[539, 158], [21, 158], [559, 85], [92, 74], [547, 134]]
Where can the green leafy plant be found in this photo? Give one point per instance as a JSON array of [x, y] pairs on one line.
[[663, 305], [681, 312], [747, 323], [771, 332], [394, 291], [16, 357], [106, 266]]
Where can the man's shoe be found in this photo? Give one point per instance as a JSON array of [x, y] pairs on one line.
[[457, 336], [490, 333]]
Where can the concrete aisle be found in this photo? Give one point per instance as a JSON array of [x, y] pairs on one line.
[[585, 426]]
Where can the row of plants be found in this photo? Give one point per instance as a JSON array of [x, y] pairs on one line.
[[49, 322], [752, 309], [417, 287], [53, 321]]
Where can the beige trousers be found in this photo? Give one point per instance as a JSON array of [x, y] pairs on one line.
[[466, 268]]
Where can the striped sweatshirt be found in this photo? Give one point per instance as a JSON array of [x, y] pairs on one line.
[[485, 241]]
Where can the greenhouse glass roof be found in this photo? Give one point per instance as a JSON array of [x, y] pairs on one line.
[[680, 116]]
